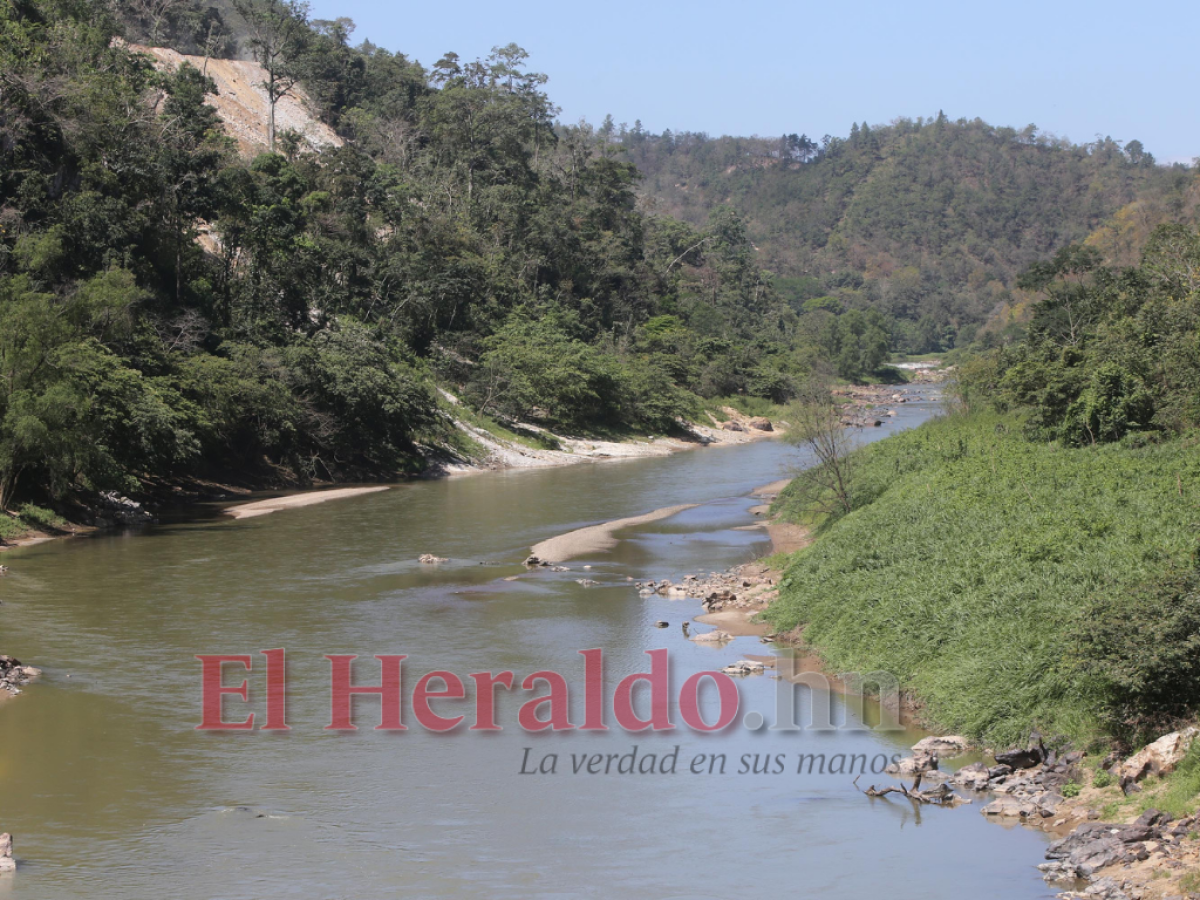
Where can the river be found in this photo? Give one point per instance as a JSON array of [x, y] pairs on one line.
[[110, 791]]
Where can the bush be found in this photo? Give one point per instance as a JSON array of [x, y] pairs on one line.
[[971, 562], [1140, 647]]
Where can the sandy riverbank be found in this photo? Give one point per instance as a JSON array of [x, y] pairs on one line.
[[292, 501], [596, 538], [497, 453]]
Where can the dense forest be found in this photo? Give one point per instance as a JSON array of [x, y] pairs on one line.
[[460, 239], [171, 308], [929, 221], [1058, 502]]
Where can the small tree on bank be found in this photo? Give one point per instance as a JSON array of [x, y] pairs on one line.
[[815, 420]]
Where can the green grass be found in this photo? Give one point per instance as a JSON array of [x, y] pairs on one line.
[[1179, 789], [970, 558], [29, 518], [531, 439], [747, 406]]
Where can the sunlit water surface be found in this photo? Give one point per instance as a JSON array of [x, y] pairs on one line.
[[110, 790]]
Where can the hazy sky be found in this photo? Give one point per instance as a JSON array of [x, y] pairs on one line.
[[1075, 69]]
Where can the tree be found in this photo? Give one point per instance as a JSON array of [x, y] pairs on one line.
[[156, 13], [278, 34], [815, 420]]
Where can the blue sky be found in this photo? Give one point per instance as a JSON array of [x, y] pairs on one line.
[[1075, 69]]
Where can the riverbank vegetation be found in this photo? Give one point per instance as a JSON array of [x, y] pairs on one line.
[[172, 309], [1030, 560], [174, 306], [928, 221]]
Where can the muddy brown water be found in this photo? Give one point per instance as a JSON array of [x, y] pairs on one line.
[[110, 790]]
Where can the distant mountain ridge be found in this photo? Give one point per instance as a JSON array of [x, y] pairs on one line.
[[929, 220]]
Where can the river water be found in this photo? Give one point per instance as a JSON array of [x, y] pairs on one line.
[[110, 790]]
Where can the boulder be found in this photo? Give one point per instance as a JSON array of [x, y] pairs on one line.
[[1161, 757], [942, 746], [762, 423], [7, 863], [973, 777], [911, 765], [1010, 807], [1020, 759], [1096, 845], [429, 559], [745, 667], [712, 637], [1104, 889], [732, 426]]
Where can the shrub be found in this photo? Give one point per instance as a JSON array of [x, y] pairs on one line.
[[1141, 649]]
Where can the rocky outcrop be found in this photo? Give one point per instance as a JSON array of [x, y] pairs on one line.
[[13, 674], [116, 509], [1159, 758], [242, 103], [712, 637], [745, 667], [948, 745]]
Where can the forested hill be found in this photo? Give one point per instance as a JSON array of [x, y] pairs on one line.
[[929, 220], [170, 308]]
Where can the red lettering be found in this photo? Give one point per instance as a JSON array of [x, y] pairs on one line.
[[276, 690], [422, 695], [558, 698], [593, 691], [212, 692], [485, 698], [689, 701], [660, 709], [342, 691]]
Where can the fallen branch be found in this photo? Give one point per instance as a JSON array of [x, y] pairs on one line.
[[938, 795]]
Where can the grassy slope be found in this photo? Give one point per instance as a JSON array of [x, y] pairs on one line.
[[974, 556]]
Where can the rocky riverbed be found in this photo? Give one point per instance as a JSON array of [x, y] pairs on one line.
[[13, 675], [1108, 845]]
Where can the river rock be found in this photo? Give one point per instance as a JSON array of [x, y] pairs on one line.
[[1058, 872], [732, 426], [942, 746], [973, 777], [1095, 845], [430, 560], [712, 637], [1020, 759], [762, 423], [910, 766], [1009, 807], [1159, 758], [745, 667], [1100, 889], [7, 863], [124, 510]]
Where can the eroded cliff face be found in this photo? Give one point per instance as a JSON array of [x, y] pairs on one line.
[[242, 102]]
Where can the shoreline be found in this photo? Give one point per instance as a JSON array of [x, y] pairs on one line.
[[256, 508], [1109, 842], [594, 538]]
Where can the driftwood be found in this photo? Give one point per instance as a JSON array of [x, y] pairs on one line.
[[939, 795]]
